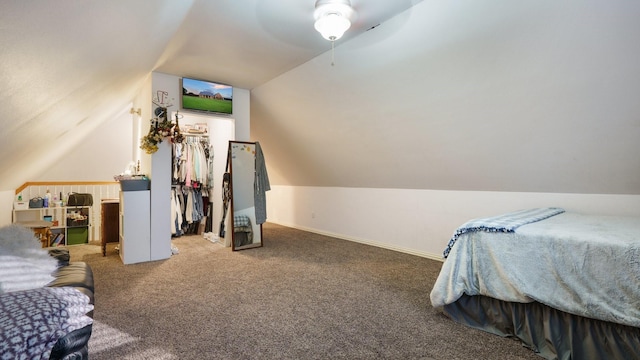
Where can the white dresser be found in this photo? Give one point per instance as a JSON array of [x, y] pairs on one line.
[[135, 226]]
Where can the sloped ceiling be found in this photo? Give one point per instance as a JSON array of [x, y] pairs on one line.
[[516, 96], [492, 95], [67, 66]]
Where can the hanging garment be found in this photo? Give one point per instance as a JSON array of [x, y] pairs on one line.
[[192, 178], [193, 163], [261, 186], [226, 198], [174, 212], [210, 156]]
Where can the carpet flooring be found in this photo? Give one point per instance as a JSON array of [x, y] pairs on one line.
[[300, 296]]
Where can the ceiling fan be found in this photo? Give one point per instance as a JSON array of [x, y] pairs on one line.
[[333, 18], [308, 19]]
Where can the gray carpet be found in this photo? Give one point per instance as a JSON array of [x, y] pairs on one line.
[[301, 296]]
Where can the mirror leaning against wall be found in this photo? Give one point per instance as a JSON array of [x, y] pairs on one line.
[[248, 183]]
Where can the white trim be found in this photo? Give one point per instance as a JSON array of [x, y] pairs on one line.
[[437, 257]]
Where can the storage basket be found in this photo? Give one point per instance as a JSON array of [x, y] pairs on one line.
[[79, 235], [77, 222], [135, 185], [21, 205]]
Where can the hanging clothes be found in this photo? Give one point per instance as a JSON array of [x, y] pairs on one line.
[[176, 212], [192, 178], [261, 186], [193, 163]]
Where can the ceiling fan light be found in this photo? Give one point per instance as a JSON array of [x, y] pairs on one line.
[[333, 18], [332, 26]]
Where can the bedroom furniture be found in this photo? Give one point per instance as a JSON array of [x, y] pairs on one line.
[[567, 286], [247, 184], [135, 226], [70, 225], [77, 225], [110, 227]]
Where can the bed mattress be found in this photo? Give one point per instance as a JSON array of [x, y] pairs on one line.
[[581, 264]]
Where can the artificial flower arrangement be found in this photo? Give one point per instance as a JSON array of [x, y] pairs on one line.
[[160, 128]]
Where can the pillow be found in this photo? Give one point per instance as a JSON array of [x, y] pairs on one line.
[[16, 238], [23, 263], [32, 321]]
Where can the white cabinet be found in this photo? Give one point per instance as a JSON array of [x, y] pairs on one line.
[[135, 226], [161, 202]]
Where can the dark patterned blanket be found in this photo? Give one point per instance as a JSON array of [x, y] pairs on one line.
[[32, 321]]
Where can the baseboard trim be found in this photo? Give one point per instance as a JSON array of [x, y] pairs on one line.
[[437, 257]]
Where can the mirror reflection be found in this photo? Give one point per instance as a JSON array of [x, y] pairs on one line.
[[249, 181]]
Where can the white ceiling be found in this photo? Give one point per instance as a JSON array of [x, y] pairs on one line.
[[529, 96], [66, 66], [251, 42]]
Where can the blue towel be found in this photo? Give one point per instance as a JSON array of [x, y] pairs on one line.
[[502, 223]]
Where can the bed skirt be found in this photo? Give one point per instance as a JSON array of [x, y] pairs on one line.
[[551, 333]]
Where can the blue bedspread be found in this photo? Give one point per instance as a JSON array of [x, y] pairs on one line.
[[585, 265], [502, 223]]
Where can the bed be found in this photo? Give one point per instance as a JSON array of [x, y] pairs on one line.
[[566, 284]]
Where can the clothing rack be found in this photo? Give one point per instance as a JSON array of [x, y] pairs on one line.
[[192, 182]]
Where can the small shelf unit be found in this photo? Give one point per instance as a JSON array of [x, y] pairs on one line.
[[71, 225]]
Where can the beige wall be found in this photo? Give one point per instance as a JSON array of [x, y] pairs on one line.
[[519, 96], [419, 222], [457, 110]]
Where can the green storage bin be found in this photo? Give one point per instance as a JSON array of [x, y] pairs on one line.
[[77, 235]]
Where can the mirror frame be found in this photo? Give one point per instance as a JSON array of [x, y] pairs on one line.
[[254, 244]]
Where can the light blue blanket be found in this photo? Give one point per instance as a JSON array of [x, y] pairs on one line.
[[584, 265], [502, 223]]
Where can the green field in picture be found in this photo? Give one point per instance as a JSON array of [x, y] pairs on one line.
[[203, 104]]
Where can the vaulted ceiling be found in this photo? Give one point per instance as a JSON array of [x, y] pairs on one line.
[[533, 96], [66, 66], [505, 96]]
